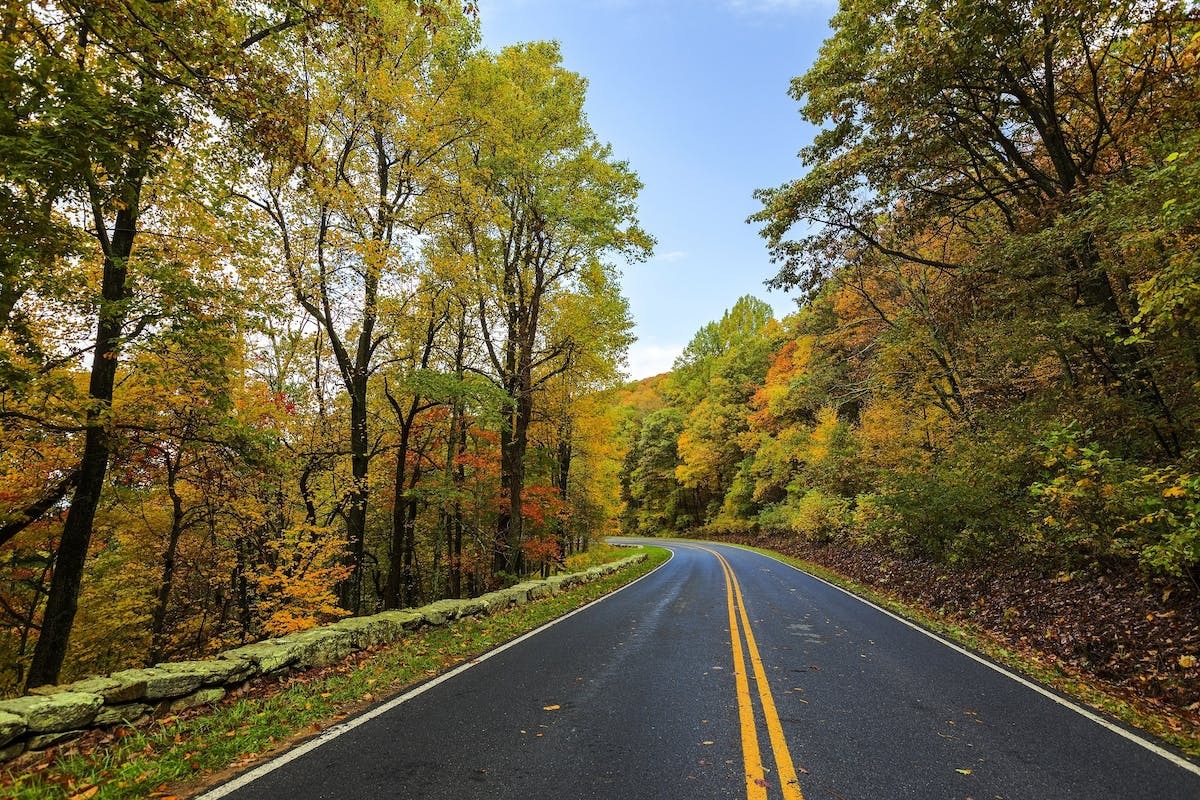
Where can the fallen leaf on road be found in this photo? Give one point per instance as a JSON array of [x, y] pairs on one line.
[[963, 771], [708, 743], [554, 707]]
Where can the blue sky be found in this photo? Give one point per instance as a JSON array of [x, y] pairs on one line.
[[693, 93]]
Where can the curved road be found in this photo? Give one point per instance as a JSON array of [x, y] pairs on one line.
[[646, 694]]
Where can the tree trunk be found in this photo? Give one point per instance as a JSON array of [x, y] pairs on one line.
[[393, 593], [159, 617], [63, 599], [350, 593], [562, 479]]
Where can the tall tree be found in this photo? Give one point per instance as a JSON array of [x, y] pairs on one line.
[[544, 203], [142, 71], [349, 193]]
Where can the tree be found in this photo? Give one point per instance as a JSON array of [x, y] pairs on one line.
[[542, 204], [352, 188], [959, 132]]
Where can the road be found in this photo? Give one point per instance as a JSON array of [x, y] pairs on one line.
[[645, 694]]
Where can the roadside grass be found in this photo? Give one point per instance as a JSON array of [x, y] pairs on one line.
[[1028, 662], [181, 755]]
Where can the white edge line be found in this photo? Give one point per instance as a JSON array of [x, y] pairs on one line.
[[335, 731], [1177, 760]]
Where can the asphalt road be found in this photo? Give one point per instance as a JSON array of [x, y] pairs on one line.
[[640, 696]]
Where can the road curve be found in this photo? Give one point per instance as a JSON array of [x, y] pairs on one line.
[[814, 695]]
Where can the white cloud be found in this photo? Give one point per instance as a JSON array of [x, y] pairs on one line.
[[672, 256], [646, 360]]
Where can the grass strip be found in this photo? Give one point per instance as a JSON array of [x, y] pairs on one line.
[[175, 755], [1029, 663]]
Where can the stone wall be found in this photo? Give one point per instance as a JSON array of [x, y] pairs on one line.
[[51, 715]]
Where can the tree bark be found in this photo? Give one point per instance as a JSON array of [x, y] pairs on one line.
[[63, 599]]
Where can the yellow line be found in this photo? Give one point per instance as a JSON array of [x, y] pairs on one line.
[[786, 770], [788, 780], [756, 786]]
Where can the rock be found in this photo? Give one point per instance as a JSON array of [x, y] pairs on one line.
[[441, 612], [268, 656], [533, 589], [162, 683], [516, 596], [370, 631], [62, 711], [46, 740], [408, 620], [471, 608], [11, 726], [126, 687], [9, 752], [214, 672], [318, 647], [200, 698], [105, 687], [123, 714], [494, 602]]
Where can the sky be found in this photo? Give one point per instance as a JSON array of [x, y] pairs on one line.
[[693, 94]]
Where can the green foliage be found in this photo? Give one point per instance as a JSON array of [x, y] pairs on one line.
[[1094, 505]]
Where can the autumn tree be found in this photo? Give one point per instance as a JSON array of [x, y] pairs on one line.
[[349, 193], [964, 138], [544, 203]]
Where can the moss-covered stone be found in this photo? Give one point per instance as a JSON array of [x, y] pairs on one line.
[[532, 589], [439, 613], [471, 608], [123, 687], [11, 751], [370, 631], [408, 620], [163, 683], [213, 672], [201, 697], [123, 714], [43, 741], [268, 656], [61, 711], [494, 602], [11, 726], [318, 647], [516, 595]]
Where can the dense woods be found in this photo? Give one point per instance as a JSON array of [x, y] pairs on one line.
[[995, 359], [310, 310], [303, 312]]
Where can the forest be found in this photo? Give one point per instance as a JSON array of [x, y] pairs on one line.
[[995, 362], [309, 310], [305, 311]]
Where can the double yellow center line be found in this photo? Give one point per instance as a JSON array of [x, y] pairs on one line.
[[785, 770]]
